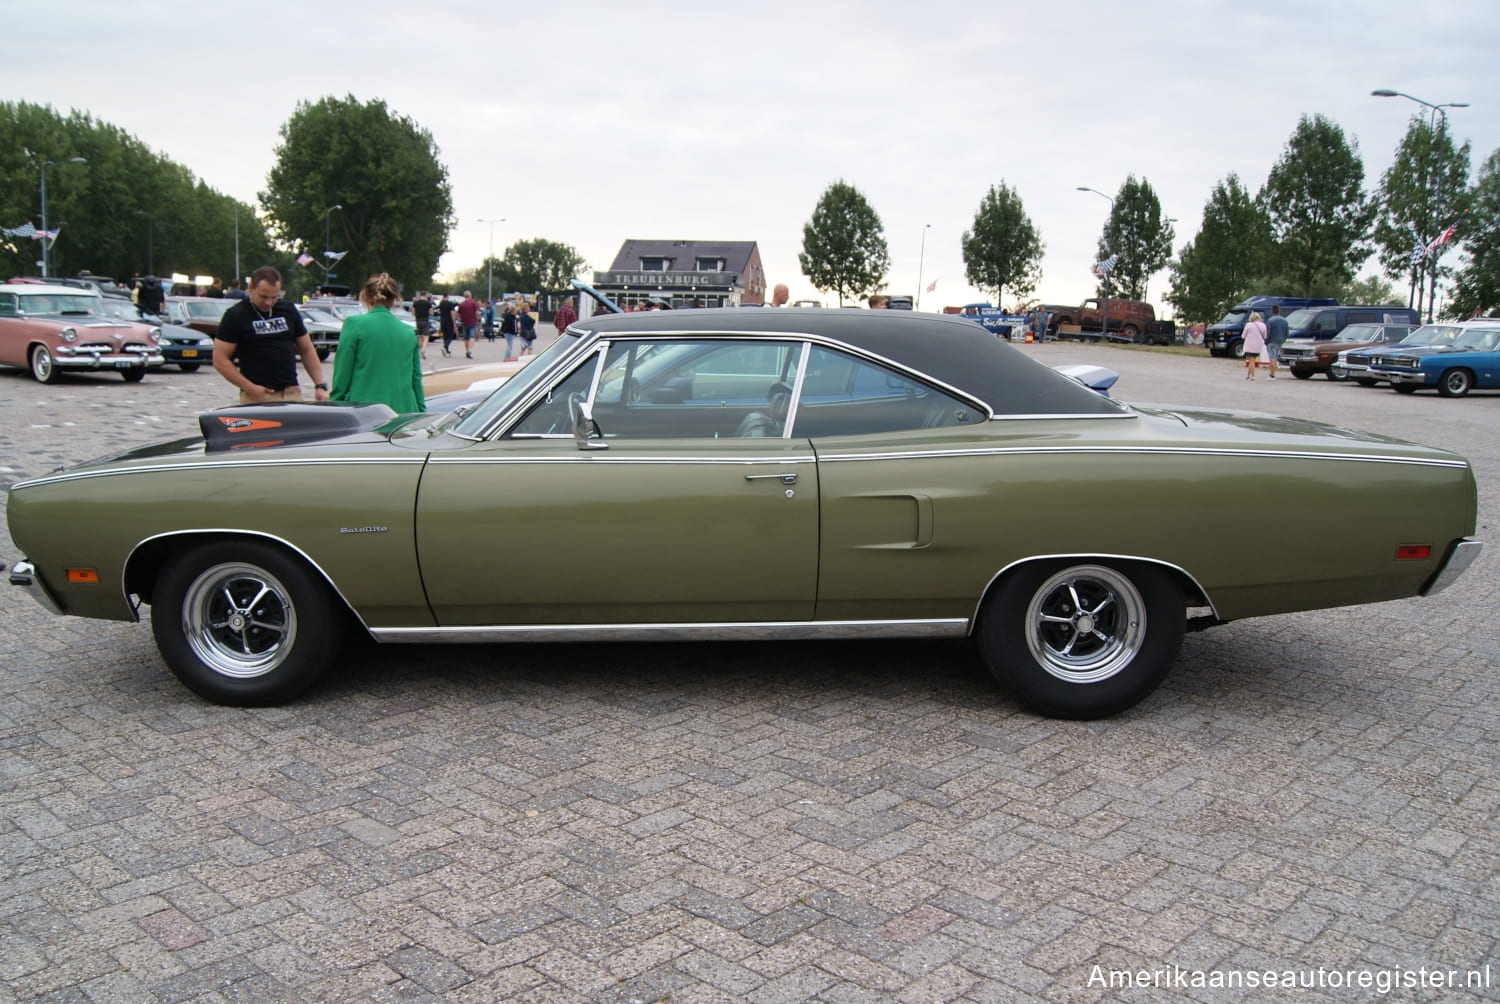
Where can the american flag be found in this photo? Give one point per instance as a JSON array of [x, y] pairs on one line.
[[305, 259], [932, 285], [24, 230], [47, 235], [1443, 237], [1106, 266]]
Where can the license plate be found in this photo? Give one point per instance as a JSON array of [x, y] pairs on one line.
[[189, 353], [124, 364]]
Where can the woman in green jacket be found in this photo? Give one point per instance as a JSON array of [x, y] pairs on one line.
[[378, 358]]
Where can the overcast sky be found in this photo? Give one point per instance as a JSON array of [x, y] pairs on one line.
[[590, 123]]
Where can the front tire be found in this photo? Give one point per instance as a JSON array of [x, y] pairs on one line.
[[134, 375], [1302, 374], [188, 367], [243, 623], [1078, 639], [1404, 388], [43, 366], [1455, 383]]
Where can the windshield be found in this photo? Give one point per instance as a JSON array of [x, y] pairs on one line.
[[473, 423], [319, 316], [208, 308], [58, 303], [1477, 338], [1433, 334], [1359, 333], [1235, 317]]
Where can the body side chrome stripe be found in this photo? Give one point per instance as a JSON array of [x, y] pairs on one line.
[[954, 627], [208, 465], [616, 459], [1156, 450]]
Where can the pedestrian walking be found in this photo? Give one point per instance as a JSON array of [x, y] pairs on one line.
[[565, 316], [265, 336], [468, 320], [509, 328], [421, 310], [1255, 343], [527, 323], [489, 320], [1276, 332], [445, 323], [377, 360]]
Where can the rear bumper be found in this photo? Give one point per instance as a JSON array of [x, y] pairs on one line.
[[1459, 559]]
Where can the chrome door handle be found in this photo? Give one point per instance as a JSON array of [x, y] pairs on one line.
[[786, 479]]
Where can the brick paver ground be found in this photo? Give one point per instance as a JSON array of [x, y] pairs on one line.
[[760, 822]]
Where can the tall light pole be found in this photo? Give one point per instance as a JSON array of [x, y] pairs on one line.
[[1437, 209], [149, 269], [489, 292], [921, 260], [1103, 300], [327, 239], [47, 241]]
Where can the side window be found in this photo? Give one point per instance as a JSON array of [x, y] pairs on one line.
[[1362, 316], [843, 395], [7, 305], [1328, 320], [550, 416]]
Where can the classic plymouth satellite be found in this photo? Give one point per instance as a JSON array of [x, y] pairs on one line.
[[739, 475]]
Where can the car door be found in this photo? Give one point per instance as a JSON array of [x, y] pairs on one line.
[[689, 507]]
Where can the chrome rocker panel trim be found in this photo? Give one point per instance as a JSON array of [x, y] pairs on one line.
[[719, 631]]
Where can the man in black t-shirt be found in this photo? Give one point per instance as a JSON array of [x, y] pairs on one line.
[[265, 335], [421, 309]]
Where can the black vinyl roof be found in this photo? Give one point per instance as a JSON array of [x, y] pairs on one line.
[[951, 350]]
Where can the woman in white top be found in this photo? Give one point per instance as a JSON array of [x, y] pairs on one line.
[[1255, 343]]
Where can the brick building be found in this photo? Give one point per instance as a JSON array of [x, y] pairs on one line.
[[685, 274]]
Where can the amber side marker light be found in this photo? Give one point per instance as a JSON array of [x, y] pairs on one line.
[[1413, 552], [83, 575]]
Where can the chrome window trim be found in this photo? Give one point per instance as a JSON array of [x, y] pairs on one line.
[[500, 425], [541, 377], [1091, 556], [725, 461], [945, 627]]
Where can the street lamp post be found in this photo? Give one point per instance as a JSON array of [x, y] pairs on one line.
[[1103, 300], [149, 269], [489, 292], [327, 239], [47, 241], [1437, 210], [921, 260]]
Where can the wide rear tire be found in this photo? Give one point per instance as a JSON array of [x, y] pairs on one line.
[[244, 623], [1082, 639]]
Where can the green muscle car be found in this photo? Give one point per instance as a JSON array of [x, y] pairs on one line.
[[741, 474]]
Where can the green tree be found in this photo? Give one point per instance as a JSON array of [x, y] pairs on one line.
[[1222, 265], [1319, 214], [1373, 290], [843, 245], [1004, 250], [540, 265], [1407, 202], [381, 169], [1137, 232], [1477, 283]]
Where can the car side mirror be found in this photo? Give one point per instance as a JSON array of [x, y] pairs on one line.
[[585, 430]]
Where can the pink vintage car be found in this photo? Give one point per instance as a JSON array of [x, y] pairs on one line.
[[53, 329]]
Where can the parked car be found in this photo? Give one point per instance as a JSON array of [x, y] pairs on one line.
[[1354, 364], [1128, 320], [201, 313], [1308, 356], [731, 474], [1471, 361], [323, 327], [53, 329], [1324, 323], [181, 347], [1226, 338]]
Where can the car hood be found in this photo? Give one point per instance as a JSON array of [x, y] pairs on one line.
[[1418, 351]]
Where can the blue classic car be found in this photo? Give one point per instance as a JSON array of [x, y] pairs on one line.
[[1355, 363], [1471, 361]]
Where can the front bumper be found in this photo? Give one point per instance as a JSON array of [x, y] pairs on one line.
[[23, 574], [106, 360], [1416, 377]]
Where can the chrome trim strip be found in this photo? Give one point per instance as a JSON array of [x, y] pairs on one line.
[[617, 459], [23, 574], [233, 532], [208, 465], [1463, 555], [1149, 450], [1093, 556], [955, 627], [791, 412]]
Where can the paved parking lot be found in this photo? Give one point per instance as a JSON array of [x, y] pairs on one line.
[[1312, 795]]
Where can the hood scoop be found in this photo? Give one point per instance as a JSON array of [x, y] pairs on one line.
[[260, 426]]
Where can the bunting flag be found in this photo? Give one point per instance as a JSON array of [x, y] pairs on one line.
[[932, 285], [49, 235], [24, 230], [1106, 266], [305, 259]]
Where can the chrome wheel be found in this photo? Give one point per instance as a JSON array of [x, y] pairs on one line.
[[43, 367], [1455, 383], [1085, 624], [239, 620]]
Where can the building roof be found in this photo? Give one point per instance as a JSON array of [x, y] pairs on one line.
[[684, 254]]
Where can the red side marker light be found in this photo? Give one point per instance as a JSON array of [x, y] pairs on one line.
[[1413, 552], [83, 575]]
